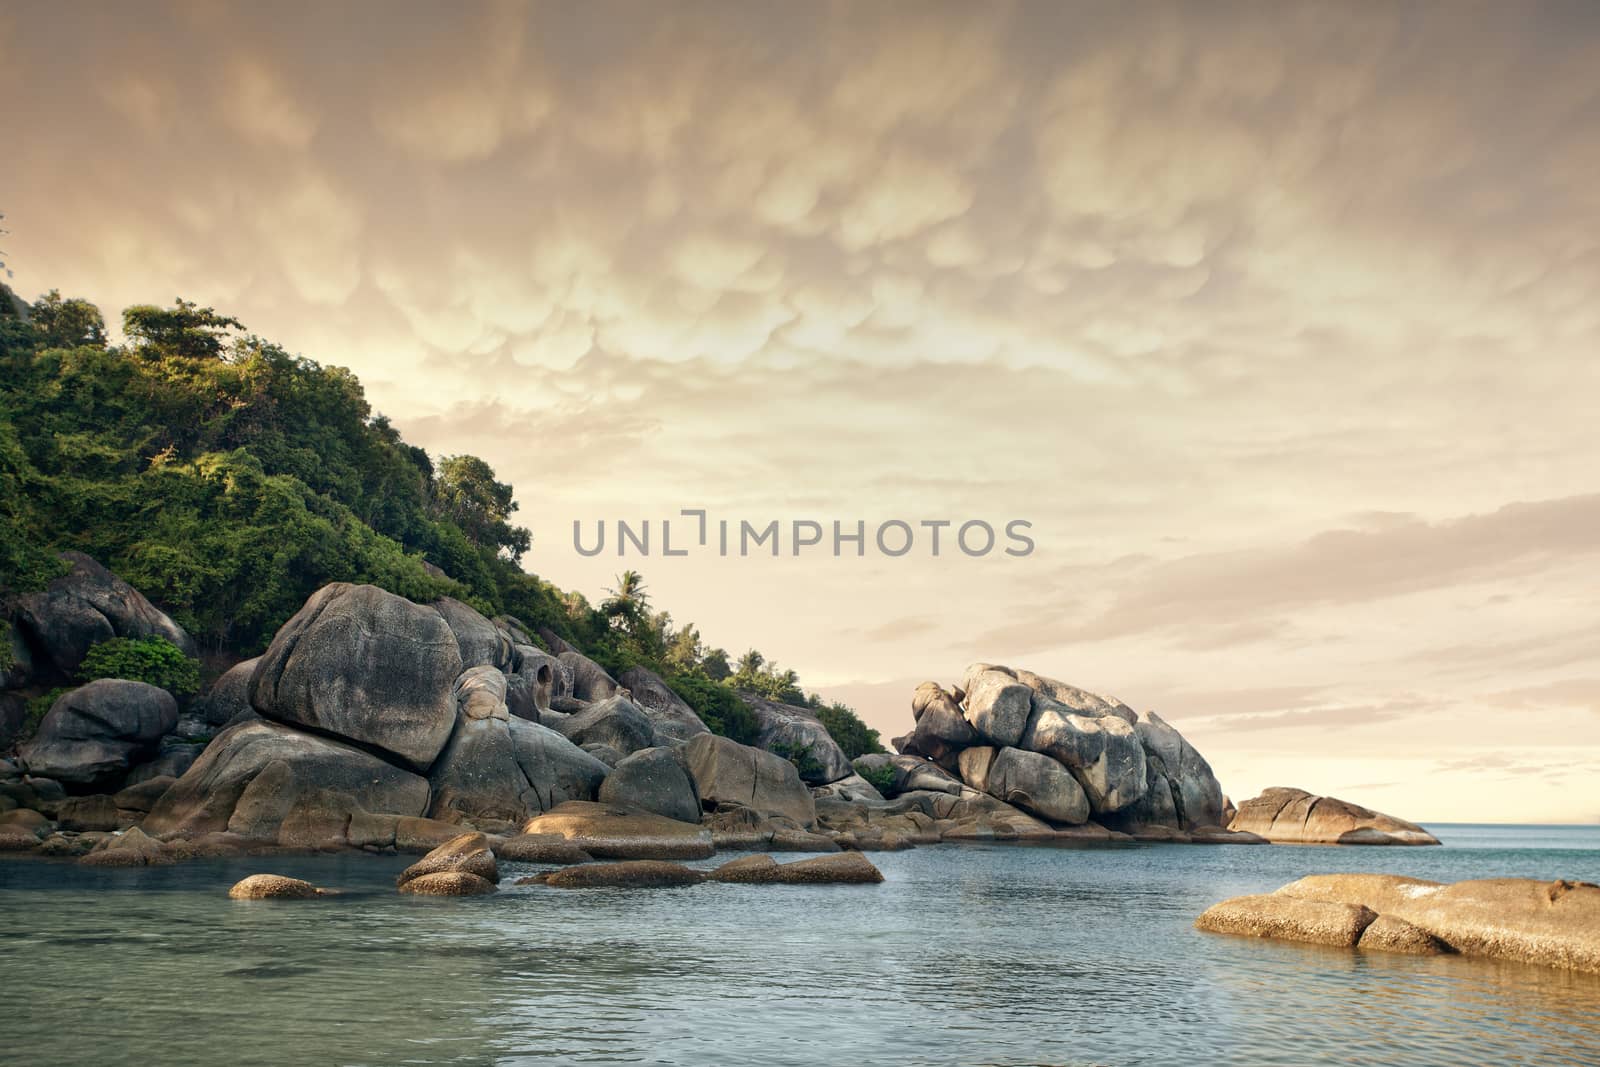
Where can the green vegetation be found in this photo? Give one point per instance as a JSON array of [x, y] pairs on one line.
[[880, 778], [227, 480], [804, 760], [38, 707], [853, 735], [153, 660]]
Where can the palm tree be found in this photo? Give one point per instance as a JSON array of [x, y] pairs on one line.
[[628, 600]]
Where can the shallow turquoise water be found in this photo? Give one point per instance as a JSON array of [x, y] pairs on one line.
[[966, 955]]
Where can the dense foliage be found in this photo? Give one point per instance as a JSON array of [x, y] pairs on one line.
[[153, 660], [227, 480]]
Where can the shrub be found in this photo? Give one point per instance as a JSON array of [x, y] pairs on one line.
[[881, 778], [153, 660], [718, 707], [851, 734], [804, 760]]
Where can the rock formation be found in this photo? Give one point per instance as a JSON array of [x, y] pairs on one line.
[[1295, 817], [1555, 924], [93, 733]]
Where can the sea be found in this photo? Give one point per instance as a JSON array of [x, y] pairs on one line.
[[966, 954]]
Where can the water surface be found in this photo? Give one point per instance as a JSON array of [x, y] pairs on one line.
[[965, 955]]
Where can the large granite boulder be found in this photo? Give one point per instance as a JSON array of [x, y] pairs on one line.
[[615, 721], [363, 664], [1177, 772], [1288, 919], [606, 831], [482, 643], [265, 781], [91, 735], [797, 734], [557, 770], [1037, 784], [1295, 817], [590, 682], [1078, 700], [496, 766], [1103, 752], [675, 721], [654, 780], [227, 701], [728, 774], [997, 705], [940, 732], [88, 605]]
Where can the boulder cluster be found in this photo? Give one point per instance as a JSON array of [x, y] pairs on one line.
[[1010, 753]]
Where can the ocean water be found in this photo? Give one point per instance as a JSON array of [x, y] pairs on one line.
[[965, 955]]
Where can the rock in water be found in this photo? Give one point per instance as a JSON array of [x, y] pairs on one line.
[[273, 887], [131, 848], [540, 848], [449, 884], [468, 854], [727, 773], [675, 721], [653, 780], [1038, 784], [88, 605], [609, 832], [846, 868], [364, 664], [92, 734], [259, 776], [634, 874], [1553, 924], [1289, 919], [1293, 816]]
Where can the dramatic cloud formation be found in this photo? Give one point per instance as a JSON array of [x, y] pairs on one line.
[[1277, 321]]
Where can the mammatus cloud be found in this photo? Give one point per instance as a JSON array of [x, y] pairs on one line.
[[1187, 287]]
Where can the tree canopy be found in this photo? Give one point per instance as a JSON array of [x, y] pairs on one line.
[[228, 480]]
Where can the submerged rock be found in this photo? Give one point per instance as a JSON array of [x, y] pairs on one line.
[[273, 887], [448, 884], [636, 874], [609, 832], [1554, 924], [1289, 919], [846, 868], [1293, 816], [467, 853], [540, 848]]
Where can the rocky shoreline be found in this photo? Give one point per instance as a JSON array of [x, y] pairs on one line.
[[375, 723]]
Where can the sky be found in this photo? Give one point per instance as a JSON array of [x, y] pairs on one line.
[[1277, 323]]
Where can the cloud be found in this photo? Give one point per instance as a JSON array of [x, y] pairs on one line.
[[1278, 328]]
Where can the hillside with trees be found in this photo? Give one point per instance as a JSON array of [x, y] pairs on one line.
[[228, 480]]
